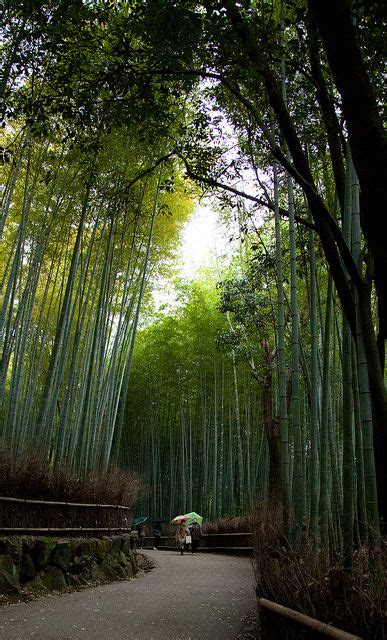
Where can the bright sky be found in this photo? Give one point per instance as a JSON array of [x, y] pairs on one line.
[[204, 240]]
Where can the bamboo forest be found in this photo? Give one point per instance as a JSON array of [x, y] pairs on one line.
[[193, 276]]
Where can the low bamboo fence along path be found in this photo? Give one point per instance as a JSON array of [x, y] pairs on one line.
[[239, 543], [321, 629], [47, 517]]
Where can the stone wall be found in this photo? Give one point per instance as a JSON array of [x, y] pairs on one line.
[[43, 564]]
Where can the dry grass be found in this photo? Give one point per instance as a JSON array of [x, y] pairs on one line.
[[301, 581], [239, 524], [32, 477]]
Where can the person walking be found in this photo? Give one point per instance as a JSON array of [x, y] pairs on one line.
[[181, 534], [157, 535], [196, 534], [141, 535]]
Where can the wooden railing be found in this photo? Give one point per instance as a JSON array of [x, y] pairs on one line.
[[318, 628], [39, 517], [240, 542]]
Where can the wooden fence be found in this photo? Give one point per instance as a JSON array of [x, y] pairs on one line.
[[240, 543], [38, 517], [315, 627]]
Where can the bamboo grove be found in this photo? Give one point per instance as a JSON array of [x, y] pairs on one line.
[[80, 242], [199, 419], [266, 380], [211, 420]]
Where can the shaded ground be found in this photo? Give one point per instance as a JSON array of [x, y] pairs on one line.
[[183, 598]]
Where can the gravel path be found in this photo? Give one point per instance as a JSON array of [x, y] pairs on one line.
[[183, 598]]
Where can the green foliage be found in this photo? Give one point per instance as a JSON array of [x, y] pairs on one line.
[[82, 229], [178, 405], [109, 108]]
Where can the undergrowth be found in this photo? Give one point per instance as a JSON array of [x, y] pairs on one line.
[[32, 477], [237, 524], [299, 579]]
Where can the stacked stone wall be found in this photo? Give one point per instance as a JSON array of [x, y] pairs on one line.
[[44, 564]]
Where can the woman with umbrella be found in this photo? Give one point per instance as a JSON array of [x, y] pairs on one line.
[[181, 534]]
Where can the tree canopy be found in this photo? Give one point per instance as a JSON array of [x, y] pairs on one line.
[[267, 380]]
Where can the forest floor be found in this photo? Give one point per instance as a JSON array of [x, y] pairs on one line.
[[182, 598]]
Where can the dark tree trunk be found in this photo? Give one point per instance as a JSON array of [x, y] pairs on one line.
[[365, 128], [332, 125], [368, 146], [370, 173]]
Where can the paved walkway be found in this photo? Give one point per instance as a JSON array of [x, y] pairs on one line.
[[184, 598]]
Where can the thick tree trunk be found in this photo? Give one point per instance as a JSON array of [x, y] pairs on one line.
[[334, 23], [365, 128], [369, 152], [328, 112]]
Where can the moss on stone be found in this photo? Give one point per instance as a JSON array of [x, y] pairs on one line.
[[129, 570], [120, 570], [35, 586], [76, 581], [127, 543], [44, 563], [27, 568], [116, 544], [96, 573], [9, 575], [102, 548], [132, 559], [12, 547], [61, 555], [53, 579], [108, 567], [28, 543], [42, 550]]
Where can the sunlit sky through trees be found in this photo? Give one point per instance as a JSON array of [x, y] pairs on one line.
[[206, 242], [203, 240]]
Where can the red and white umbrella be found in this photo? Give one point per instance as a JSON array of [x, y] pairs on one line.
[[179, 519]]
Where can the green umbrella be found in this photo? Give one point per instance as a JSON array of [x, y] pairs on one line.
[[191, 517], [139, 520]]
